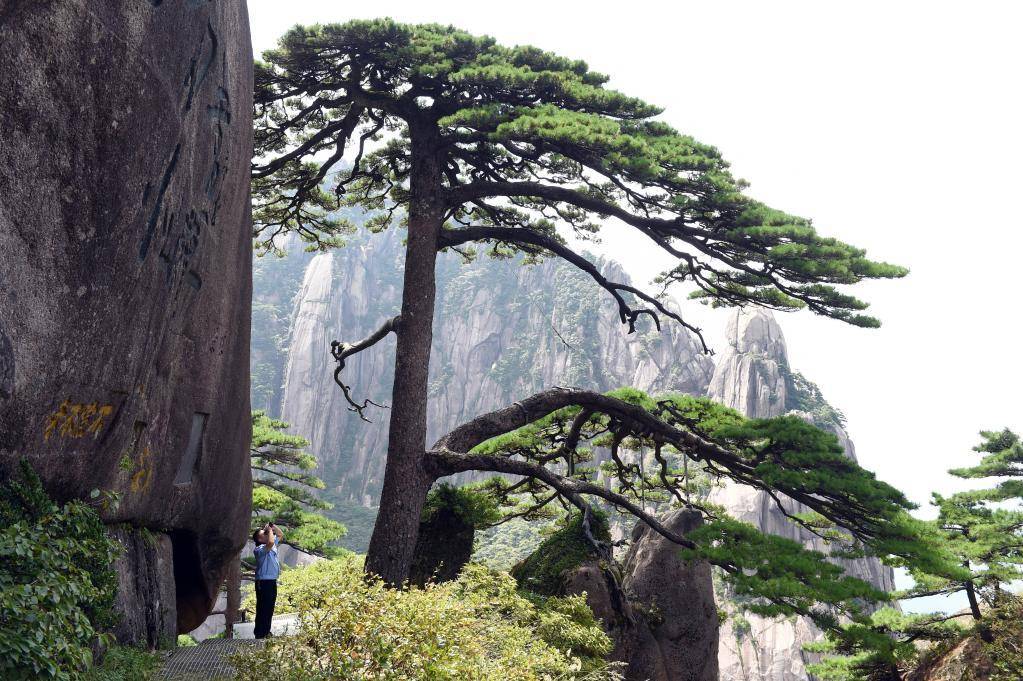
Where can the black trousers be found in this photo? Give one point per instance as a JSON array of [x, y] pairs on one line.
[[266, 599]]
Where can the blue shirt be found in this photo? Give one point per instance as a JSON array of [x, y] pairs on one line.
[[267, 565]]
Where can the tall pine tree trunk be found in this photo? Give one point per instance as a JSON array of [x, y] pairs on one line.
[[406, 482]]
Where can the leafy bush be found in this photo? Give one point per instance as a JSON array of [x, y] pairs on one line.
[[476, 628], [123, 663], [56, 585]]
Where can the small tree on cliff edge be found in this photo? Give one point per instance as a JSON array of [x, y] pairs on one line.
[[473, 142], [982, 528]]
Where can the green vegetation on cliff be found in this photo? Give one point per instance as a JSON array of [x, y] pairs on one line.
[[543, 571], [981, 532]]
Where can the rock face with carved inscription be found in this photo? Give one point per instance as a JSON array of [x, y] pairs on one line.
[[125, 280]]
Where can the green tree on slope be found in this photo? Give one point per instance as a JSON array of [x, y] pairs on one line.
[[980, 530], [471, 142]]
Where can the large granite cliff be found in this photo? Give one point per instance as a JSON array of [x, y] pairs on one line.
[[125, 265]]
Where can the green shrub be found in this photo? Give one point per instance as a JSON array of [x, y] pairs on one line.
[[56, 584], [476, 628], [123, 663], [186, 641], [1006, 648], [471, 503]]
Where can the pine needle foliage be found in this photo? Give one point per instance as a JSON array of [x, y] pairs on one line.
[[284, 488], [525, 140], [981, 533], [853, 512], [982, 528]]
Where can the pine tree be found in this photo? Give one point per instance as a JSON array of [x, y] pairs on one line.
[[283, 488], [981, 533], [983, 528], [469, 142]]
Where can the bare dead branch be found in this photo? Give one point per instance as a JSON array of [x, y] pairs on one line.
[[342, 351]]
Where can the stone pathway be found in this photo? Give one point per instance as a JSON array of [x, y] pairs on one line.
[[203, 662], [208, 660], [282, 625]]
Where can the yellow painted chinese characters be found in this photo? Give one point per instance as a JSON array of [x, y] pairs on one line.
[[76, 420]]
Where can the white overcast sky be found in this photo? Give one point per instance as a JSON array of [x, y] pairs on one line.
[[895, 125]]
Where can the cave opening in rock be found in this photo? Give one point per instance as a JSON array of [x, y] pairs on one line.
[[191, 597]]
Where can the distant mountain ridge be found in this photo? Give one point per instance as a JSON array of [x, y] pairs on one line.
[[503, 331]]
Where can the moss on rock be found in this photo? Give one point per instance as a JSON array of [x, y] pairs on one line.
[[543, 571]]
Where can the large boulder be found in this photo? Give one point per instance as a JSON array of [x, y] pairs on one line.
[[628, 630], [125, 277], [660, 612], [676, 598]]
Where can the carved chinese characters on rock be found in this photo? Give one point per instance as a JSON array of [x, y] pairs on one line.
[[176, 232]]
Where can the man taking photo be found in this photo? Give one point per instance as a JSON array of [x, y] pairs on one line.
[[268, 569]]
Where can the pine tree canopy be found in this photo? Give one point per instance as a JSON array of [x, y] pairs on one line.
[[502, 145]]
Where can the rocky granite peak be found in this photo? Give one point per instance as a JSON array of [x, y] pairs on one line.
[[751, 372], [753, 376]]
